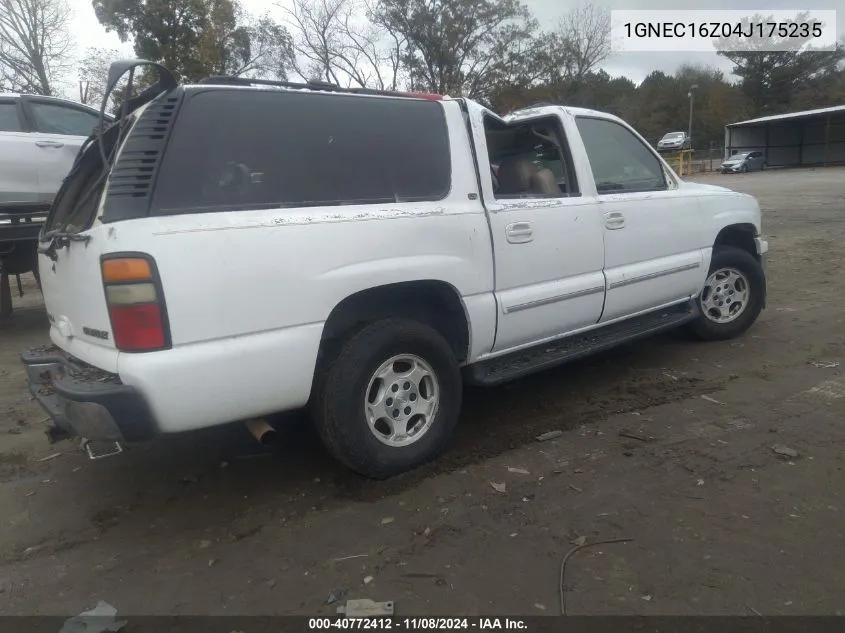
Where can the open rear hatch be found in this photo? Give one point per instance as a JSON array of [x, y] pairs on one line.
[[73, 240]]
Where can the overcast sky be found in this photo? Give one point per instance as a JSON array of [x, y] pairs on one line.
[[632, 65]]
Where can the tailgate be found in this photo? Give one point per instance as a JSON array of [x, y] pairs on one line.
[[76, 303]]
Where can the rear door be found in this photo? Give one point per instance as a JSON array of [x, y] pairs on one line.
[[548, 249], [59, 130], [18, 155]]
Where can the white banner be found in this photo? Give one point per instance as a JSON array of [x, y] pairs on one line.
[[729, 30]]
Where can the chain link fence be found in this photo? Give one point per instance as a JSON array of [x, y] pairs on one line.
[[696, 161]]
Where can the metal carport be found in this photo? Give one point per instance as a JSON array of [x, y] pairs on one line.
[[812, 137]]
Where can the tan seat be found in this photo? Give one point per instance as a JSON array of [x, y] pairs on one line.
[[544, 182], [519, 175], [515, 176]]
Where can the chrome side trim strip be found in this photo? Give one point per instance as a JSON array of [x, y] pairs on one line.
[[649, 276], [549, 300]]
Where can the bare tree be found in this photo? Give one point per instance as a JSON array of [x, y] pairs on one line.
[[583, 39], [35, 43], [93, 73], [339, 41], [460, 47]]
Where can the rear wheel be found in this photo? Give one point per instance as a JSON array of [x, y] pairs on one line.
[[390, 399], [732, 297]]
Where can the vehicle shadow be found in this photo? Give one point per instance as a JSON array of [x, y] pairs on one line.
[[222, 476]]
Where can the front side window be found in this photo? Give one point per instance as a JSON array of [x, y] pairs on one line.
[[52, 118], [621, 162], [240, 150], [9, 121]]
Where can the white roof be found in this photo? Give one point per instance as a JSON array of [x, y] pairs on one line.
[[791, 115]]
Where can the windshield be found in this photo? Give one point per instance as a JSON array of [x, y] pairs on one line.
[[739, 156], [674, 135]]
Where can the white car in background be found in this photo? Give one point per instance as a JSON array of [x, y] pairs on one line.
[[744, 162], [39, 140], [674, 141]]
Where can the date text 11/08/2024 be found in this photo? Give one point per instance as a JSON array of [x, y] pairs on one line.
[[418, 624]]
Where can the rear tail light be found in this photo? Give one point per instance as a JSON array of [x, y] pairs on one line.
[[135, 303]]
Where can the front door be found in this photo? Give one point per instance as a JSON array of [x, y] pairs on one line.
[[59, 130], [653, 235], [18, 156], [547, 239]]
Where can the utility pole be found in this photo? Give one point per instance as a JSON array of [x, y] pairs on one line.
[[690, 95]]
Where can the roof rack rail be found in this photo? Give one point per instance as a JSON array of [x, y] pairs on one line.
[[313, 85]]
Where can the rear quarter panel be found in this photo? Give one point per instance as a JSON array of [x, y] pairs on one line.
[[248, 292]]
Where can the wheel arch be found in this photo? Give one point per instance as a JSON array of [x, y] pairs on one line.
[[740, 236], [434, 302]]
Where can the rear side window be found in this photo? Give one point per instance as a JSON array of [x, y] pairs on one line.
[[233, 149], [9, 121], [52, 118]]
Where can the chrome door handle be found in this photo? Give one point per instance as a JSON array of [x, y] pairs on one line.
[[519, 232], [614, 220], [49, 144]]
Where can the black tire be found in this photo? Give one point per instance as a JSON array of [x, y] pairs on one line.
[[338, 403], [745, 263]]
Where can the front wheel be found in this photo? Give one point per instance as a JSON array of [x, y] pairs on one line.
[[391, 398], [733, 295]]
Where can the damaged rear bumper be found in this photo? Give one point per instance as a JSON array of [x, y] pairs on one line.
[[85, 401]]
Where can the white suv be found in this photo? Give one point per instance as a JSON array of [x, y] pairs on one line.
[[263, 248], [39, 140]]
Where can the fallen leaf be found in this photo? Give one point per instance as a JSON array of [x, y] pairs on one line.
[[519, 471], [550, 435], [499, 487], [578, 542], [785, 451], [387, 520]]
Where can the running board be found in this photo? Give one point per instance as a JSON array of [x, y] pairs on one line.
[[527, 361]]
